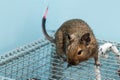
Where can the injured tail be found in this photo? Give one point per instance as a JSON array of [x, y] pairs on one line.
[[44, 30]]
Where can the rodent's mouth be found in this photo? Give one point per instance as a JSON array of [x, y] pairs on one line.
[[73, 64]]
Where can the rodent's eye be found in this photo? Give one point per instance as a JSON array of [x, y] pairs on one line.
[[80, 52]]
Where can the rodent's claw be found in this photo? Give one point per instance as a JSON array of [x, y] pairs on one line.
[[98, 65], [64, 59]]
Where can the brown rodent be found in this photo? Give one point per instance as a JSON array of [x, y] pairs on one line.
[[76, 40]]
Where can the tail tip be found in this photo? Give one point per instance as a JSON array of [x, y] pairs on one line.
[[45, 14]]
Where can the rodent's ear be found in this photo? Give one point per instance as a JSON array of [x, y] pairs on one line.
[[86, 38], [70, 37], [67, 35]]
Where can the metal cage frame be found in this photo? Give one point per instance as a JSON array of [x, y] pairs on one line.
[[39, 60]]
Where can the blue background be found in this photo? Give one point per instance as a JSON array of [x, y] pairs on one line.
[[20, 20]]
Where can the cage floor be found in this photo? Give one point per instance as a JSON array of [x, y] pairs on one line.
[[39, 60]]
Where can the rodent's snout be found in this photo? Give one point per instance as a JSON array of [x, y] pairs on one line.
[[73, 62]]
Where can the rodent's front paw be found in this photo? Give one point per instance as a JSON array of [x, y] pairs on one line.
[[63, 58], [98, 64]]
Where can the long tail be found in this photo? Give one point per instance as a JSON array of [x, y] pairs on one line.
[[43, 27]]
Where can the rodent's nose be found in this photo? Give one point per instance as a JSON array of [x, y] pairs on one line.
[[71, 63]]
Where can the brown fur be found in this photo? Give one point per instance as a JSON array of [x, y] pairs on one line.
[[76, 40]]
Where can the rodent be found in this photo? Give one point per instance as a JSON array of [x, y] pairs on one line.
[[75, 40]]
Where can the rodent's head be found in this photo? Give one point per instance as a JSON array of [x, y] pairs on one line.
[[77, 50]]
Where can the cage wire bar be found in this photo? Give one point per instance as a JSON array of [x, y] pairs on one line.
[[39, 60]]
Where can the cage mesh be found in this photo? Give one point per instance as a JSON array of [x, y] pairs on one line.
[[39, 60]]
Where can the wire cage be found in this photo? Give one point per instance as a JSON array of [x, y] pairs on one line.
[[39, 60]]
